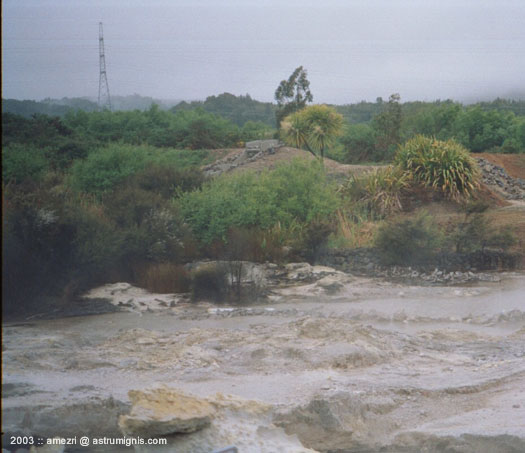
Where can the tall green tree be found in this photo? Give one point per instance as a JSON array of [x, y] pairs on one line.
[[388, 126], [292, 94]]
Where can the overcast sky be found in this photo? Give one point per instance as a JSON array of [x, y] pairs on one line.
[[353, 49]]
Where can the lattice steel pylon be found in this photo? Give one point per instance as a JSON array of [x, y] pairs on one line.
[[104, 101]]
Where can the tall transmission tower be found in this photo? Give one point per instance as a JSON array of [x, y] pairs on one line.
[[104, 101]]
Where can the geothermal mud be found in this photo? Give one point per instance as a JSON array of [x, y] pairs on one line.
[[374, 366]]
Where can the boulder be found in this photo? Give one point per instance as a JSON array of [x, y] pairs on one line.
[[164, 411], [245, 424], [331, 283]]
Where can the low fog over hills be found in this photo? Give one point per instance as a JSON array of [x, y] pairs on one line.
[[464, 50]]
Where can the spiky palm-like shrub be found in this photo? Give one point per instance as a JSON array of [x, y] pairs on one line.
[[313, 128], [445, 166], [379, 191]]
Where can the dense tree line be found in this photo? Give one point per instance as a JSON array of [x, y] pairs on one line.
[[238, 109], [29, 108], [193, 129], [59, 107], [479, 128], [372, 133], [364, 111]]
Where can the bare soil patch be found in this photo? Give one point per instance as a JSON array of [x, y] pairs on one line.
[[286, 154]]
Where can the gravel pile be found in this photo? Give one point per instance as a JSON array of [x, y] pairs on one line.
[[492, 175]]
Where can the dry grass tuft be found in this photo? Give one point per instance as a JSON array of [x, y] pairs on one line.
[[164, 278]]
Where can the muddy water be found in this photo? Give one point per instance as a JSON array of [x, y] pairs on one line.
[[377, 366]]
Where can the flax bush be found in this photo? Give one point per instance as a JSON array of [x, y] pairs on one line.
[[445, 166], [379, 192]]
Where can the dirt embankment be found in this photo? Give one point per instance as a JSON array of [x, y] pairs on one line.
[[235, 160], [287, 153]]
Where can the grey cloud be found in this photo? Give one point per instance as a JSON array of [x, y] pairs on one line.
[[353, 50]]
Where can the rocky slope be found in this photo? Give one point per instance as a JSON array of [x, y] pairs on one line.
[[500, 181], [243, 159]]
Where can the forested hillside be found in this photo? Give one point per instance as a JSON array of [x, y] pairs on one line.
[[375, 130], [238, 109], [59, 107]]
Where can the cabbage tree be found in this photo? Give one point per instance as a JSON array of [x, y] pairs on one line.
[[313, 128]]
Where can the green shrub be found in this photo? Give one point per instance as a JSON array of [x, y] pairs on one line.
[[359, 143], [166, 235], [130, 206], [98, 243], [62, 157], [443, 166], [313, 237], [150, 226], [197, 129], [193, 129], [22, 162], [209, 282], [244, 244], [182, 159], [294, 193], [408, 241], [256, 130], [166, 180], [161, 170], [470, 235], [480, 130], [103, 169], [387, 125], [476, 233], [336, 152], [502, 239], [476, 207], [298, 191]]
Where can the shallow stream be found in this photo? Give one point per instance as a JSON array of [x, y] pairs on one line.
[[376, 367]]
